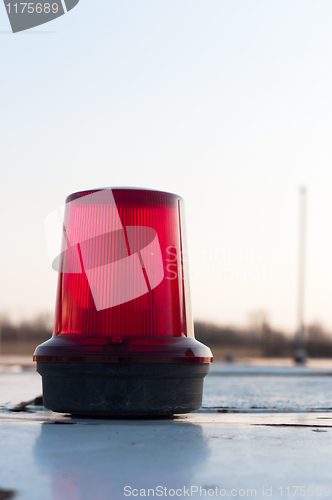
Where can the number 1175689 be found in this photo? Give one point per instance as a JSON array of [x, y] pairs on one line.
[[31, 8], [292, 491]]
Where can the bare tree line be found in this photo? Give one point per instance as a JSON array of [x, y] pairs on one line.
[[259, 338]]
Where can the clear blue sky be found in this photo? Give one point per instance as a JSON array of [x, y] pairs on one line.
[[227, 103]]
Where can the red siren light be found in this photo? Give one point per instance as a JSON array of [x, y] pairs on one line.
[[123, 342]]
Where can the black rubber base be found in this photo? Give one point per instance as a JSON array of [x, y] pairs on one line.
[[122, 389]]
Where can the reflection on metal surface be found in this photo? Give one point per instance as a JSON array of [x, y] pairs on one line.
[[97, 459]]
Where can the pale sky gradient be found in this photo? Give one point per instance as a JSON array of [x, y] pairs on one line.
[[227, 103]]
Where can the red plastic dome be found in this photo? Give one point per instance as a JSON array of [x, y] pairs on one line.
[[123, 291]]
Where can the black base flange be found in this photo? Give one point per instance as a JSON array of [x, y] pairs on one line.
[[121, 389]]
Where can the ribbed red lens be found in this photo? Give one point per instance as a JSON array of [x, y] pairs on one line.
[[123, 274], [123, 291]]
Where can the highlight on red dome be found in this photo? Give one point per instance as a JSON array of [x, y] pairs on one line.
[[123, 325], [128, 257]]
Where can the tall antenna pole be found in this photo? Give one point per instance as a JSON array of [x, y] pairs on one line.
[[300, 354]]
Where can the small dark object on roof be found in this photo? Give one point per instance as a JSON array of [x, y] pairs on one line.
[[7, 494], [38, 401]]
